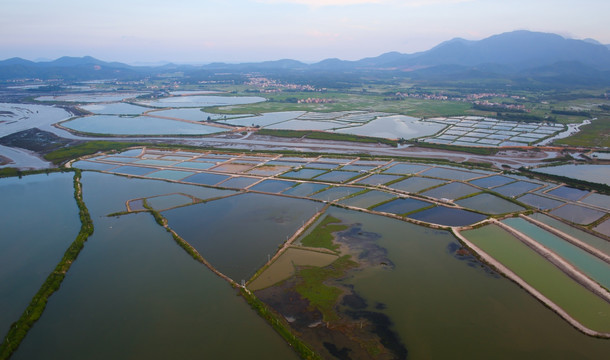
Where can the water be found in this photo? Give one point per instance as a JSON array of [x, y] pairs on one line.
[[451, 191], [450, 174], [395, 127], [438, 302], [402, 206], [38, 221], [568, 193], [164, 202], [239, 182], [169, 174], [416, 184], [492, 181], [266, 119], [405, 169], [447, 216], [206, 179], [578, 214], [592, 173], [90, 165], [306, 125], [489, 204], [202, 101], [368, 199], [273, 186], [91, 98], [603, 228], [134, 294], [305, 189], [587, 308], [598, 243], [378, 179], [115, 109], [141, 125], [540, 202], [596, 199], [189, 114], [338, 176], [595, 268], [304, 174], [516, 188], [336, 192], [236, 234]]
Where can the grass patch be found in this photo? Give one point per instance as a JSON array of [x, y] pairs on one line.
[[321, 296], [596, 134], [321, 236]]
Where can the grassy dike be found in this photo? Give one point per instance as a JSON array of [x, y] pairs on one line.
[[34, 310], [278, 324]]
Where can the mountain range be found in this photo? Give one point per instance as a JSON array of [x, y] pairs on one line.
[[519, 55]]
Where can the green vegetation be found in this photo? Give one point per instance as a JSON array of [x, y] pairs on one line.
[[10, 172], [279, 325], [321, 296], [321, 236], [321, 135], [88, 148], [19, 329], [596, 134]]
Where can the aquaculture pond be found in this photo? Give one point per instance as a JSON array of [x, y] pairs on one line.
[[589, 309], [599, 200], [451, 174], [395, 127], [447, 216], [594, 267], [378, 179], [265, 119], [598, 243], [568, 193], [451, 191], [402, 206], [578, 214], [115, 109], [489, 204], [516, 188], [540, 202], [273, 186], [405, 169], [133, 293], [202, 101], [236, 234], [336, 192], [592, 173], [39, 220], [492, 181], [337, 176], [305, 189], [368, 199], [400, 295], [141, 125], [415, 184]]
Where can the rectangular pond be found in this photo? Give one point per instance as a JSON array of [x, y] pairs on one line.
[[489, 204], [451, 191], [272, 186], [141, 125], [540, 202], [416, 184], [368, 199], [402, 206], [378, 179], [445, 216], [589, 309], [336, 192], [338, 176], [406, 169], [305, 189], [578, 214], [516, 188]]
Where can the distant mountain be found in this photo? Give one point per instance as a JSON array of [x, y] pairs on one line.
[[518, 55]]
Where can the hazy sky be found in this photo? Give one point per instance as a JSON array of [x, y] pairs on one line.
[[202, 31]]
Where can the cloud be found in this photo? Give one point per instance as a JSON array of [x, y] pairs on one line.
[[323, 3]]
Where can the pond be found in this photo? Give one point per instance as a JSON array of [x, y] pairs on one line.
[[265, 222], [141, 125], [336, 192], [592, 266], [516, 188], [489, 204], [304, 174], [378, 179], [592, 173], [416, 184], [406, 169], [442, 215], [338, 176], [492, 181], [368, 199], [540, 202], [115, 109], [402, 206], [265, 119], [450, 174], [305, 189], [202, 101], [589, 309], [273, 186], [568, 193], [39, 220], [451, 191], [578, 214], [395, 127]]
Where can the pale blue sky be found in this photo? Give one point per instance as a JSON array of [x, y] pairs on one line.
[[202, 31]]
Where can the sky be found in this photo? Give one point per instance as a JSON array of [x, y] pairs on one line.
[[204, 31]]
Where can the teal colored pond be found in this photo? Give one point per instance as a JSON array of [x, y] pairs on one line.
[[169, 174], [592, 266], [133, 291], [265, 222], [489, 204], [141, 125], [90, 165], [194, 165], [598, 243], [447, 216], [202, 101], [239, 182], [426, 271], [133, 170], [38, 221]]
